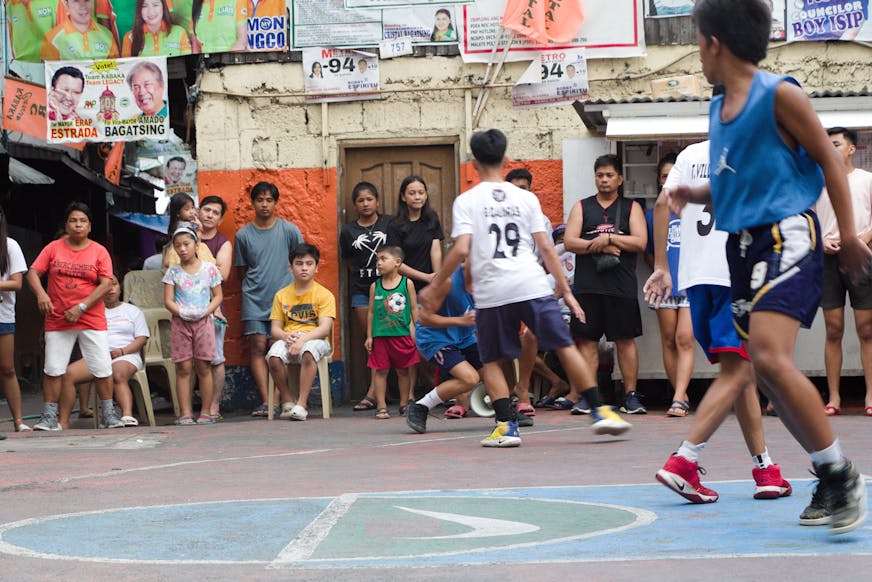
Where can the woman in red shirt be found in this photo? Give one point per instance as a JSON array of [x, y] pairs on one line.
[[79, 273]]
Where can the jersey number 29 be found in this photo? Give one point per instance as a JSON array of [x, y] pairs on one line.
[[513, 239]]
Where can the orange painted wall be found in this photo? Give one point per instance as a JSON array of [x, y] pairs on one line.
[[308, 198], [547, 183]]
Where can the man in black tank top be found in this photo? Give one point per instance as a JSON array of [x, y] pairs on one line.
[[607, 232]]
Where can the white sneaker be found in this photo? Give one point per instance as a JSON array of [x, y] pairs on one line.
[[287, 407], [298, 413], [110, 419], [23, 428], [48, 422]]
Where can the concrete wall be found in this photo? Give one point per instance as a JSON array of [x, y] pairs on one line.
[[252, 124]]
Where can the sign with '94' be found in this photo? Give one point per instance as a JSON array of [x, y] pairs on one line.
[[332, 74]]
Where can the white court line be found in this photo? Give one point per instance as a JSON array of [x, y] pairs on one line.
[[307, 541], [478, 437]]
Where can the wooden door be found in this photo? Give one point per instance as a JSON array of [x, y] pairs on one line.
[[386, 167]]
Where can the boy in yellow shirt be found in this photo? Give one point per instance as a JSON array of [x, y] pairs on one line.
[[302, 320]]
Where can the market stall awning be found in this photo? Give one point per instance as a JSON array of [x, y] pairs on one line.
[[21, 173]]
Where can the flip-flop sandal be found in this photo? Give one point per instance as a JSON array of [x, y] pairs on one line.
[[366, 403], [403, 409], [545, 402], [868, 411], [185, 421], [205, 419], [87, 413], [832, 410], [129, 421], [678, 408], [526, 409], [562, 404], [382, 414], [456, 411]]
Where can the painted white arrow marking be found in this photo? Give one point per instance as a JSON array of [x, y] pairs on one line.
[[482, 527]]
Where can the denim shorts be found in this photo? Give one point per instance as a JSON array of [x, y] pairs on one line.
[[359, 300], [7, 328]]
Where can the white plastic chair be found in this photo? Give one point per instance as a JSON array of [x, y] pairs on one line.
[[293, 380]]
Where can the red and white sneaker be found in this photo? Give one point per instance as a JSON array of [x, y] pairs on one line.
[[681, 476], [770, 483]]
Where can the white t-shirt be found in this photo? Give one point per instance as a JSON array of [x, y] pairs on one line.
[[860, 182], [15, 264], [703, 259], [126, 323], [501, 219]]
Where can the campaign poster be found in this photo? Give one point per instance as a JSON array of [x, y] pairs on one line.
[[115, 100], [554, 78], [818, 20], [24, 108], [424, 24], [332, 74], [179, 174], [44, 30], [779, 11], [612, 29], [397, 3]]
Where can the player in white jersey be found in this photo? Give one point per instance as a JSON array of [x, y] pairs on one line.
[[496, 225], [703, 274]]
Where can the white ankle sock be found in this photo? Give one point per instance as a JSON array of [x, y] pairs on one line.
[[431, 400], [762, 460], [690, 451], [832, 455]]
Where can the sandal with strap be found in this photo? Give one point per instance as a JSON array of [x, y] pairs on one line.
[[382, 414], [366, 403], [186, 420], [561, 404], [678, 408], [456, 411], [525, 408]]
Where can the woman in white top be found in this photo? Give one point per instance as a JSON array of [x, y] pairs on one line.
[[12, 265], [128, 332]]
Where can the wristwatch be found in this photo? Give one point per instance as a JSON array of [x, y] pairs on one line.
[[83, 307]]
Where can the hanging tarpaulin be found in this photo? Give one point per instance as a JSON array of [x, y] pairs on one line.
[[612, 29], [544, 21], [117, 100], [554, 78], [332, 74]]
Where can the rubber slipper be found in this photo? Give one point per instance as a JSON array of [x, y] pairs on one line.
[[678, 408], [87, 413], [403, 409], [129, 421], [382, 414], [832, 410], [869, 411], [24, 428], [546, 401], [185, 421], [366, 403], [261, 411], [205, 419], [561, 404], [455, 411], [525, 408]]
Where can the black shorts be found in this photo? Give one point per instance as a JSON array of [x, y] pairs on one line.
[[616, 317], [837, 283], [497, 328], [448, 357]]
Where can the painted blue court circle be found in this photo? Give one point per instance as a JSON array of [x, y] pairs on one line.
[[523, 525]]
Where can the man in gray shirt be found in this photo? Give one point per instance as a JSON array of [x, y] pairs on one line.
[[261, 252]]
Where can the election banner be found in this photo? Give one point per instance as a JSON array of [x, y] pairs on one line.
[[398, 3], [44, 30], [612, 29], [329, 23], [179, 174], [779, 11], [332, 74], [817, 20], [554, 78], [115, 100], [24, 108]]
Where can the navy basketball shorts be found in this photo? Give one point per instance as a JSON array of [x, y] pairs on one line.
[[497, 328], [777, 267], [450, 356]]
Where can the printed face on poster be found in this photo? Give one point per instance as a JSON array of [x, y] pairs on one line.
[[180, 176], [339, 75], [117, 100], [554, 78], [106, 29]]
